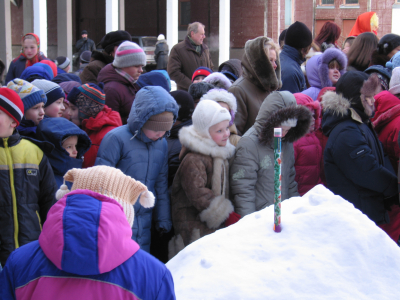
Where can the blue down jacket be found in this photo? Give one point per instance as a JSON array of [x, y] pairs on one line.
[[292, 77], [128, 149]]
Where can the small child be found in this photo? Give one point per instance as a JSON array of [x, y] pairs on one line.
[[27, 184], [200, 192], [54, 107], [70, 144], [34, 100], [200, 73], [140, 150]]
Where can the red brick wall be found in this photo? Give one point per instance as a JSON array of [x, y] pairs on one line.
[[383, 9], [304, 12]]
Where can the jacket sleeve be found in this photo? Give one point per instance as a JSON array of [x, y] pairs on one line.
[[175, 70], [353, 156], [243, 177], [79, 44], [109, 153], [48, 188], [162, 209], [157, 51], [242, 114], [93, 46], [7, 284], [166, 290]]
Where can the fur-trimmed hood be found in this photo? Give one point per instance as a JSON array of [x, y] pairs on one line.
[[218, 80], [323, 70], [102, 56], [277, 108], [257, 67], [192, 141], [233, 65]]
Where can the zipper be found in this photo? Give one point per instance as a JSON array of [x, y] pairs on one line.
[[40, 222], [14, 198]]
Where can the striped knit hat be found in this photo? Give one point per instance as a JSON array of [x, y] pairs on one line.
[[52, 90], [129, 54], [62, 62], [89, 98], [11, 104], [29, 94]]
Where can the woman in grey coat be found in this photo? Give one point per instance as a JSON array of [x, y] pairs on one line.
[[252, 169]]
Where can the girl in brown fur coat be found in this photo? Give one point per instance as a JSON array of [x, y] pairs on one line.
[[199, 197]]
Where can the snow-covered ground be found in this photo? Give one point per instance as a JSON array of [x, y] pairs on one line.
[[327, 250]]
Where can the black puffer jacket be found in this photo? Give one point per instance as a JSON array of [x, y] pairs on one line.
[[27, 191]]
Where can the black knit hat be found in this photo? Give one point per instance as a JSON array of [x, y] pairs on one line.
[[185, 103], [298, 36], [114, 38], [388, 42], [350, 84], [197, 90]]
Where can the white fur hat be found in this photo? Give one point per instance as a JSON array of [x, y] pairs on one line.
[[218, 80], [394, 85], [206, 114], [160, 37], [219, 95]]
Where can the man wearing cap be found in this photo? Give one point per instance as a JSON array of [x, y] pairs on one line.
[[85, 44], [298, 41], [109, 44], [188, 55]]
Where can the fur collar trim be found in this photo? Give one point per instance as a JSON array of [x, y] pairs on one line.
[[190, 139], [335, 103], [301, 113]]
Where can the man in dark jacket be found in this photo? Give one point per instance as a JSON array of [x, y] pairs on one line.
[[355, 165], [85, 44], [161, 53], [298, 41], [188, 55]]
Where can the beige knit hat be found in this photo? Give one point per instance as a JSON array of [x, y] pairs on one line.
[[110, 182], [160, 122]]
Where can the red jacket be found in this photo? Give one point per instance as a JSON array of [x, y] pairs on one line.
[[387, 124], [97, 128], [308, 153]]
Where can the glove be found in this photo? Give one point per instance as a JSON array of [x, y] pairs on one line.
[[232, 219], [388, 202]]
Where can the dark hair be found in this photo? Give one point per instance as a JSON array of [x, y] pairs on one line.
[[335, 64], [359, 55], [388, 43], [330, 33], [282, 38]]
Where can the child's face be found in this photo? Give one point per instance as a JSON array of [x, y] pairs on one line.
[[74, 114], [30, 48], [55, 109], [220, 133], [199, 79], [35, 113], [153, 135], [70, 145], [7, 125], [285, 130], [66, 111], [346, 48]]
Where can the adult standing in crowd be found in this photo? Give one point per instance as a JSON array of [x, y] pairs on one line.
[[188, 55], [100, 59], [298, 41], [85, 44], [261, 75], [161, 53]]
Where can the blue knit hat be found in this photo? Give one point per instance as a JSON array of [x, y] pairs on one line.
[[37, 71], [89, 98], [47, 67], [29, 94], [52, 90]]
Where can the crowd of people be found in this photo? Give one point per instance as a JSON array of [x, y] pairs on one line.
[[106, 174]]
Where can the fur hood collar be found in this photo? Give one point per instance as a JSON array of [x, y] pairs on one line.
[[335, 103], [323, 70], [257, 67], [191, 140], [102, 56]]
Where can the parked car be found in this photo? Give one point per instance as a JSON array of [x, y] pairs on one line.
[[148, 44]]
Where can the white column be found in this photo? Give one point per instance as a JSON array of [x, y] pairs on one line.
[[40, 23], [5, 34], [28, 16], [64, 28], [111, 15], [172, 23], [396, 18], [224, 30], [121, 15]]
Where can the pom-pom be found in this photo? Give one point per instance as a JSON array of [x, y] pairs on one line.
[[147, 199], [62, 191]]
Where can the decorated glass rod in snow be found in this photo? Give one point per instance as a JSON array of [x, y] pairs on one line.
[[277, 179]]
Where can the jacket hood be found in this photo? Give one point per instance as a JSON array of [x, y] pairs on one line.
[[312, 105], [233, 65], [312, 69], [108, 74], [86, 233], [323, 70], [277, 108], [153, 79], [36, 71], [107, 117], [257, 67], [150, 101], [387, 109], [54, 131], [101, 56]]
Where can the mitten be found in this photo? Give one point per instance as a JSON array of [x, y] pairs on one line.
[[232, 219]]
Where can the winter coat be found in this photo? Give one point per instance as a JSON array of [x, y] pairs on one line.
[[161, 54], [252, 169], [85, 45], [200, 191], [174, 148], [120, 93], [54, 131], [85, 251], [98, 61], [259, 79], [233, 65], [308, 155], [96, 128], [18, 65], [130, 150], [387, 125], [292, 77], [184, 60], [27, 191], [355, 166], [27, 128]]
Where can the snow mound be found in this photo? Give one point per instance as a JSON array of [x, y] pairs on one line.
[[327, 250]]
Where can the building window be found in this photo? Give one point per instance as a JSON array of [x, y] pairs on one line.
[[350, 2], [184, 12], [327, 2]]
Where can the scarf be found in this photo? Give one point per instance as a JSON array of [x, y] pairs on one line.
[[126, 76], [197, 47]]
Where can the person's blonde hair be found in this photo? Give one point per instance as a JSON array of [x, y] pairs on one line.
[[270, 45], [194, 27]]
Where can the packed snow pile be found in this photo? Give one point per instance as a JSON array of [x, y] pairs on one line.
[[327, 250]]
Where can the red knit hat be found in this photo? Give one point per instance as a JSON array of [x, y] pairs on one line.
[[201, 71], [11, 104]]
